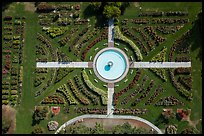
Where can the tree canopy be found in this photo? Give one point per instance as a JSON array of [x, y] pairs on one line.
[[109, 9], [126, 128]]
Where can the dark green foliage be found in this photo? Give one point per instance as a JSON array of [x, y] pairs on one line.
[[126, 128], [37, 130]]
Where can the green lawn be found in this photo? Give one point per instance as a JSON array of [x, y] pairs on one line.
[[32, 27]]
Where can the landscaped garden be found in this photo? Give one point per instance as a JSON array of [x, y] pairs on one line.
[[45, 98]]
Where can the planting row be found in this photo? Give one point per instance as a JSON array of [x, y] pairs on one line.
[[153, 35], [168, 29], [186, 82], [130, 111], [84, 90], [156, 93], [170, 20], [13, 42], [67, 94], [67, 38], [120, 36], [86, 38], [137, 91], [99, 91], [104, 35], [77, 93], [54, 99], [149, 88], [160, 13], [130, 86], [49, 82], [169, 101], [138, 41], [85, 110]]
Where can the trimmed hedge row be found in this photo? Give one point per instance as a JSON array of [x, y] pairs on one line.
[[102, 93]]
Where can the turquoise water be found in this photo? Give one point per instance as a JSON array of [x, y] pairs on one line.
[[118, 64]]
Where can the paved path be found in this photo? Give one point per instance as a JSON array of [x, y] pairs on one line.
[[111, 32], [160, 64], [62, 64], [110, 107], [112, 117]]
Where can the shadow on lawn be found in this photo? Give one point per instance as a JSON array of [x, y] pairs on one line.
[[100, 20], [196, 38], [5, 5]]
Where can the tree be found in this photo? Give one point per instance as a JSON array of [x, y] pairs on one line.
[[40, 113], [37, 130], [111, 11], [98, 129], [95, 5]]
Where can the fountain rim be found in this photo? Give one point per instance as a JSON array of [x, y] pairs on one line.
[[108, 80]]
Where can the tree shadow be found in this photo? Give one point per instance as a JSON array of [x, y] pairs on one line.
[[178, 117], [100, 20], [196, 39], [124, 6], [34, 122], [5, 5]]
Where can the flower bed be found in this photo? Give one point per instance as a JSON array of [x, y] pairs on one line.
[[186, 82], [67, 94], [87, 37], [130, 111], [144, 94], [101, 92], [104, 35], [176, 13], [150, 13], [86, 110], [185, 71], [77, 94], [56, 31], [118, 35], [153, 35], [67, 38], [168, 29], [140, 21], [138, 41], [83, 89], [54, 99], [156, 93], [130, 86], [169, 101], [170, 20], [138, 90], [145, 38]]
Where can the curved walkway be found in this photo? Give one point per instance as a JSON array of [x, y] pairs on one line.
[[112, 117]]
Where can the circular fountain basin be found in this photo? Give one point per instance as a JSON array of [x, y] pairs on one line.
[[111, 65]]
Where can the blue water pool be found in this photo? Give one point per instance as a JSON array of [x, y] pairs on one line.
[[111, 64]]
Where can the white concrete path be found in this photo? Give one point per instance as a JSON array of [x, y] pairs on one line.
[[112, 117], [110, 30], [62, 65], [160, 64], [110, 109]]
